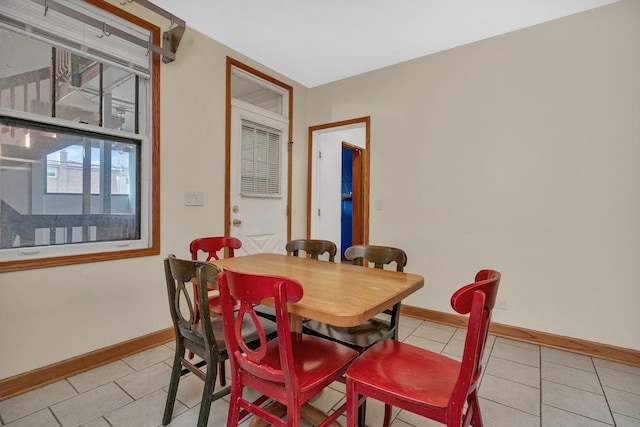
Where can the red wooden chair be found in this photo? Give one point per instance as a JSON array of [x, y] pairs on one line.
[[291, 368], [211, 246], [427, 383]]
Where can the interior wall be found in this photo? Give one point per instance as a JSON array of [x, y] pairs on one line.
[[518, 153], [52, 314]]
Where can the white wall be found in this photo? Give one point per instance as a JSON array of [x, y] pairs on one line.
[[520, 153], [52, 314]]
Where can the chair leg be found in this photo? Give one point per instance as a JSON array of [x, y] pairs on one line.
[[352, 403], [207, 395], [234, 405], [387, 415], [362, 413], [221, 374], [173, 384], [476, 417]]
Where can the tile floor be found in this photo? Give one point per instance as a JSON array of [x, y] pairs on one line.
[[523, 385]]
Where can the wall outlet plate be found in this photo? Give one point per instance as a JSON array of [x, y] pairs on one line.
[[501, 304]]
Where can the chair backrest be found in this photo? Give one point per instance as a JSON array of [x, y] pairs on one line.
[[250, 290], [477, 299], [379, 255], [212, 245], [179, 274], [313, 247]]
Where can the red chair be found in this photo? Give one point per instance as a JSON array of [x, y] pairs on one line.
[[291, 368], [211, 246], [427, 383]]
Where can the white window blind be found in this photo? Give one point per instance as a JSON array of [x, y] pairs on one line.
[[72, 33], [261, 168]]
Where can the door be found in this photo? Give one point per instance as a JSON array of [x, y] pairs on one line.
[[258, 179]]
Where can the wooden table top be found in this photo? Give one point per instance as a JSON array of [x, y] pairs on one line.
[[334, 293]]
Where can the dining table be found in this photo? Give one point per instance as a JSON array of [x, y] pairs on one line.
[[335, 293]]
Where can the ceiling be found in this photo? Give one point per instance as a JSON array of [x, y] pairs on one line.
[[314, 42]]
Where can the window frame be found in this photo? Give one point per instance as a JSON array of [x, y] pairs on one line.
[[153, 185]]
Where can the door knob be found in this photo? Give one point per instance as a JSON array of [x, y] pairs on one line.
[[237, 222]]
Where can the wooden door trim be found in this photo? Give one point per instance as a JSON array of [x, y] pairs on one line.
[[231, 63], [364, 222]]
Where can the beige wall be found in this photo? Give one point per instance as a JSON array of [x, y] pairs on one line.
[[519, 153], [49, 315]]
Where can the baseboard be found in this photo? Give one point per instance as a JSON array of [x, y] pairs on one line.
[[24, 382], [589, 348]]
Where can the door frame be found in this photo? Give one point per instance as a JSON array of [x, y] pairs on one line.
[[231, 63], [360, 217]]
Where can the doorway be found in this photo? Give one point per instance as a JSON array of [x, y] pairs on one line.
[[334, 148]]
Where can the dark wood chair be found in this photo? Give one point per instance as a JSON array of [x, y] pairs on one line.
[[427, 383], [313, 248], [363, 336], [204, 338], [290, 369]]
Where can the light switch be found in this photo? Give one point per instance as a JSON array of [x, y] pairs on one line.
[[379, 204], [193, 198]]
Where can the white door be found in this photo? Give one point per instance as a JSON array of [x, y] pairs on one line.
[[258, 179]]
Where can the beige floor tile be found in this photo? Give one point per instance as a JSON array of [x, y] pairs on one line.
[[42, 418], [514, 371], [217, 415], [516, 353], [620, 380], [578, 378], [190, 390], [90, 405], [511, 394], [35, 400], [99, 376], [145, 412], [98, 422], [617, 366], [430, 345], [566, 358], [454, 348], [590, 405], [434, 333], [553, 417], [146, 381], [624, 421], [410, 321], [414, 420], [497, 415], [623, 403], [149, 357]]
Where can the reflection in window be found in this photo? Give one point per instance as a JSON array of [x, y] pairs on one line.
[[63, 186]]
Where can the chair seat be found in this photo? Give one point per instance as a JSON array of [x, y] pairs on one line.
[[249, 331], [419, 377], [315, 359], [359, 337]]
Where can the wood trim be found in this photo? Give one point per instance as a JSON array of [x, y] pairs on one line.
[[227, 179], [24, 382], [154, 248], [575, 345]]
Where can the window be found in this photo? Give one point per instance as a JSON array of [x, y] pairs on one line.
[[76, 142]]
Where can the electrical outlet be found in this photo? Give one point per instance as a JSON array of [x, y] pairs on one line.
[[501, 304]]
